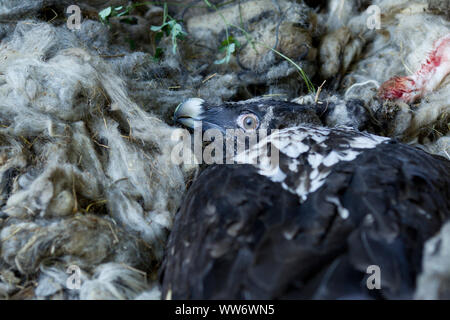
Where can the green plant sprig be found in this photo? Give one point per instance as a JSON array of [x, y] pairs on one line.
[[173, 28], [110, 12], [169, 27], [252, 41]]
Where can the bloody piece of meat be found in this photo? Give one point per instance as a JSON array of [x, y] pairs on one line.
[[430, 74]]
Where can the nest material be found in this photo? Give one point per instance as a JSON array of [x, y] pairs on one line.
[[86, 174]]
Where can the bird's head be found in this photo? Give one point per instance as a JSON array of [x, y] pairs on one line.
[[249, 115]]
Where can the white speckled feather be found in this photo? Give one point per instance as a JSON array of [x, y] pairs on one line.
[[307, 155]]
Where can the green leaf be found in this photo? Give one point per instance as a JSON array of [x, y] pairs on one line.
[[221, 61], [105, 14], [110, 12], [121, 14], [229, 45], [170, 28], [225, 43], [176, 31], [156, 28]]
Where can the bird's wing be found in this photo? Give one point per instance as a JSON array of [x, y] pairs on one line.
[[226, 213], [239, 234]]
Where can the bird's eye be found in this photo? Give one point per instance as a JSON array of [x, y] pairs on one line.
[[248, 121]]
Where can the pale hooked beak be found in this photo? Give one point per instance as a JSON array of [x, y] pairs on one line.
[[189, 113]]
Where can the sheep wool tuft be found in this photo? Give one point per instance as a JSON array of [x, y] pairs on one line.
[[86, 176]]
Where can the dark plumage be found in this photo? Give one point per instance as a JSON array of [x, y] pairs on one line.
[[344, 200]]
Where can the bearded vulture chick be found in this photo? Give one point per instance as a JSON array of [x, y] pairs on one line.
[[338, 203]]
